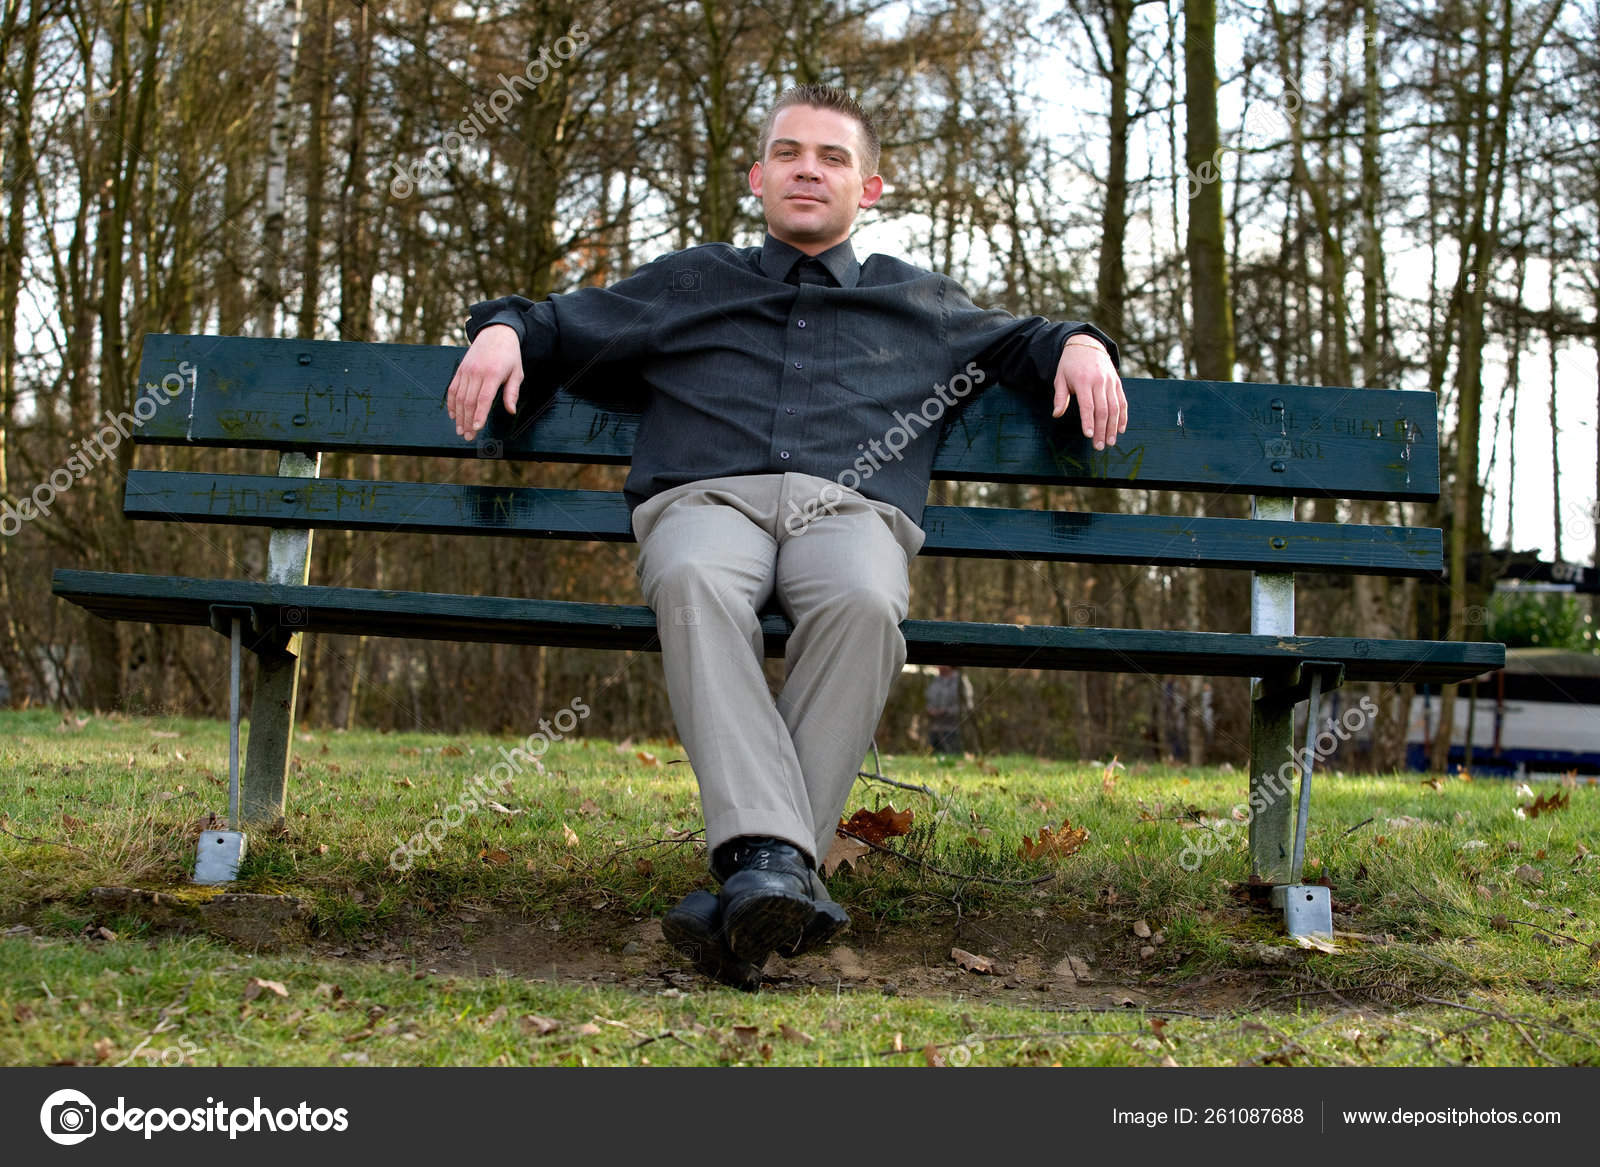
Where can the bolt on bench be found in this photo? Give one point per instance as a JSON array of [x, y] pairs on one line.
[[1272, 442]]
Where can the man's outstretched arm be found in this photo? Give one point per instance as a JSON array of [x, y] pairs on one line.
[[1072, 358], [561, 339]]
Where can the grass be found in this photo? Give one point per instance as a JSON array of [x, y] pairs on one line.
[[1471, 930]]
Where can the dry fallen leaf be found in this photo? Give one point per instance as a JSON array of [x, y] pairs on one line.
[[570, 835], [844, 853], [497, 856], [1543, 805], [790, 1033], [538, 1026], [1054, 846], [1141, 929], [877, 825], [497, 1016], [972, 962], [649, 759], [257, 986], [103, 1048]]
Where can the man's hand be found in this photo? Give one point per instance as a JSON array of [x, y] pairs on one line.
[[1085, 369], [495, 359]]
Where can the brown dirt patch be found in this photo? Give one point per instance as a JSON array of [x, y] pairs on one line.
[[1042, 960]]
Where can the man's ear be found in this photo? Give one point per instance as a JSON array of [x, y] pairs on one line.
[[871, 191], [755, 180]]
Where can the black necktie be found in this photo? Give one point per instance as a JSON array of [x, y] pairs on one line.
[[810, 271]]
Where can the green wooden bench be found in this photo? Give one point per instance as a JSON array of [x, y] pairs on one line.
[[302, 398]]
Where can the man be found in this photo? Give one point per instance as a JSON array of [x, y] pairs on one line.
[[773, 372], [947, 704]]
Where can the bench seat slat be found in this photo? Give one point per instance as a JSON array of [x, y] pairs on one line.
[[974, 532], [269, 393], [499, 619]]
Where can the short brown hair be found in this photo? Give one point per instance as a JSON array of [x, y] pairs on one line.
[[827, 97]]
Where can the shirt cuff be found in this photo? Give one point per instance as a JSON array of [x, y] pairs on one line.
[[482, 315], [1091, 330]]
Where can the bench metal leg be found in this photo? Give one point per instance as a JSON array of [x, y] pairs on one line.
[[272, 706]]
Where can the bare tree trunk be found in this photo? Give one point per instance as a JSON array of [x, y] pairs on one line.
[[286, 32]]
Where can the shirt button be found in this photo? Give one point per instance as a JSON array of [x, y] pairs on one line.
[[784, 454], [788, 409], [800, 324], [798, 365]]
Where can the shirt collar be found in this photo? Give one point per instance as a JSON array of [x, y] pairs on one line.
[[778, 257]]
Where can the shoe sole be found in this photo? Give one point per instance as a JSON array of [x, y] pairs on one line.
[[707, 957], [816, 937], [759, 924]]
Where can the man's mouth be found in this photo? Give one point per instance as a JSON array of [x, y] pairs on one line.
[[804, 198]]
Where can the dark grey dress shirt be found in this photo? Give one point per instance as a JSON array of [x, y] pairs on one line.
[[752, 366]]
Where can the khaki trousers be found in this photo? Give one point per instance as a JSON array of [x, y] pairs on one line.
[[711, 553]]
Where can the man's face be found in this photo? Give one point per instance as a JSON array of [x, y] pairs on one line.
[[810, 183]]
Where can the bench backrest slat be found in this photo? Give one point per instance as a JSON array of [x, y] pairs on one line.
[[1182, 435], [986, 532]]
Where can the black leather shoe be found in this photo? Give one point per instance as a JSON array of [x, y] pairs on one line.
[[828, 919], [694, 928], [766, 897]]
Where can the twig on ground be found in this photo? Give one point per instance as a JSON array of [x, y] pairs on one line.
[[1358, 826], [1539, 927], [42, 839], [925, 865], [902, 785], [691, 837]]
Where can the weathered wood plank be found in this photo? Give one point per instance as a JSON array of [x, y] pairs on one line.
[[500, 619], [1202, 435], [967, 532]]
